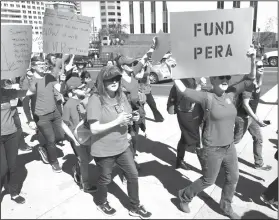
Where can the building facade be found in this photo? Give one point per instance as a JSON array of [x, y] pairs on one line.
[[110, 13], [24, 12], [148, 17], [62, 6]]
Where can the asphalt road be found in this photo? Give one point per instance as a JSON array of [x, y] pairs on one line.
[[163, 88]]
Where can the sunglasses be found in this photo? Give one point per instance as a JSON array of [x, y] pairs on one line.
[[260, 66], [223, 77], [114, 79]]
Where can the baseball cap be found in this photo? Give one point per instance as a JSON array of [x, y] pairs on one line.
[[74, 83], [124, 60], [109, 72]]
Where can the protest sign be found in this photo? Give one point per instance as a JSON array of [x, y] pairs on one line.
[[37, 44], [211, 43], [16, 49], [65, 32], [163, 46]]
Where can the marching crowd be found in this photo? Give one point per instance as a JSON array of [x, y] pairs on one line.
[[101, 119]]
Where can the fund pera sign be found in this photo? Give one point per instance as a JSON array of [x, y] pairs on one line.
[[211, 43]]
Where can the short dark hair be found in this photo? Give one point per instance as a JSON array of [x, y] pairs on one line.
[[85, 74], [35, 59]]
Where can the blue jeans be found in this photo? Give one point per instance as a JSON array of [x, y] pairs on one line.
[[9, 152], [126, 163], [212, 159], [242, 124], [50, 127]]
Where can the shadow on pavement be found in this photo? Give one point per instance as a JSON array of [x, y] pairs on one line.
[[248, 164], [254, 214]]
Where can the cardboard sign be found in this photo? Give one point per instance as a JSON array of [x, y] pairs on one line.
[[37, 44], [66, 33], [162, 48], [211, 43], [16, 49]]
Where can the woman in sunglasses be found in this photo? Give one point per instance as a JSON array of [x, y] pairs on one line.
[[109, 114], [217, 137]]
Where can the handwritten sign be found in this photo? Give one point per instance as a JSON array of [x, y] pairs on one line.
[[37, 44], [162, 48], [211, 43], [65, 33], [16, 46]]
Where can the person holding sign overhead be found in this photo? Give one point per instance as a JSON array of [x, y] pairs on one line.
[[218, 137]]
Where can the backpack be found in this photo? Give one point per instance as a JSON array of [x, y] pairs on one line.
[[82, 131], [206, 113]]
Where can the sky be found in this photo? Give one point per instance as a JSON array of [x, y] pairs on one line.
[[266, 10]]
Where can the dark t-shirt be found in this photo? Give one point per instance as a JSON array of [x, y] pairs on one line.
[[254, 102], [44, 92], [70, 113]]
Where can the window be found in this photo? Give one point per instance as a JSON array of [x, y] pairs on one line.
[[118, 7], [36, 27], [18, 6], [32, 2], [37, 32], [25, 21], [236, 4], [165, 17], [111, 13], [5, 4], [30, 22], [111, 19], [40, 32], [142, 28], [40, 22], [30, 17], [42, 3], [40, 27], [23, 6], [104, 20], [103, 7], [12, 5], [118, 2], [142, 17], [35, 22], [42, 8], [28, 2], [43, 13], [153, 17], [24, 11], [39, 17], [38, 3], [28, 6], [102, 1], [34, 12], [111, 7], [29, 12], [220, 4], [24, 16], [39, 13], [105, 38], [118, 13], [103, 13], [38, 8], [119, 20], [132, 30]]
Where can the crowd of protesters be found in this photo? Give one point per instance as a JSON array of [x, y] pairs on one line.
[[101, 119]]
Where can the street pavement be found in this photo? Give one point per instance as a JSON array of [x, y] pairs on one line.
[[52, 195]]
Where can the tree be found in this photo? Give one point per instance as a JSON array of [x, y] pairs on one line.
[[267, 36], [116, 32]]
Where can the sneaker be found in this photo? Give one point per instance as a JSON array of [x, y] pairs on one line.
[[106, 209], [43, 154], [232, 215], [140, 212], [56, 168], [18, 199], [26, 148], [184, 206], [272, 204], [263, 167], [182, 164]]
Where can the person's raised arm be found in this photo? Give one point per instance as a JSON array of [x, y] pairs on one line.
[[191, 94], [247, 82]]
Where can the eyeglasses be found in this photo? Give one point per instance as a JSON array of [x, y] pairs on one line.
[[260, 66], [223, 77]]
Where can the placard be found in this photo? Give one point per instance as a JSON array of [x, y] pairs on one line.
[[16, 49], [37, 44], [65, 32], [211, 43], [162, 48]]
